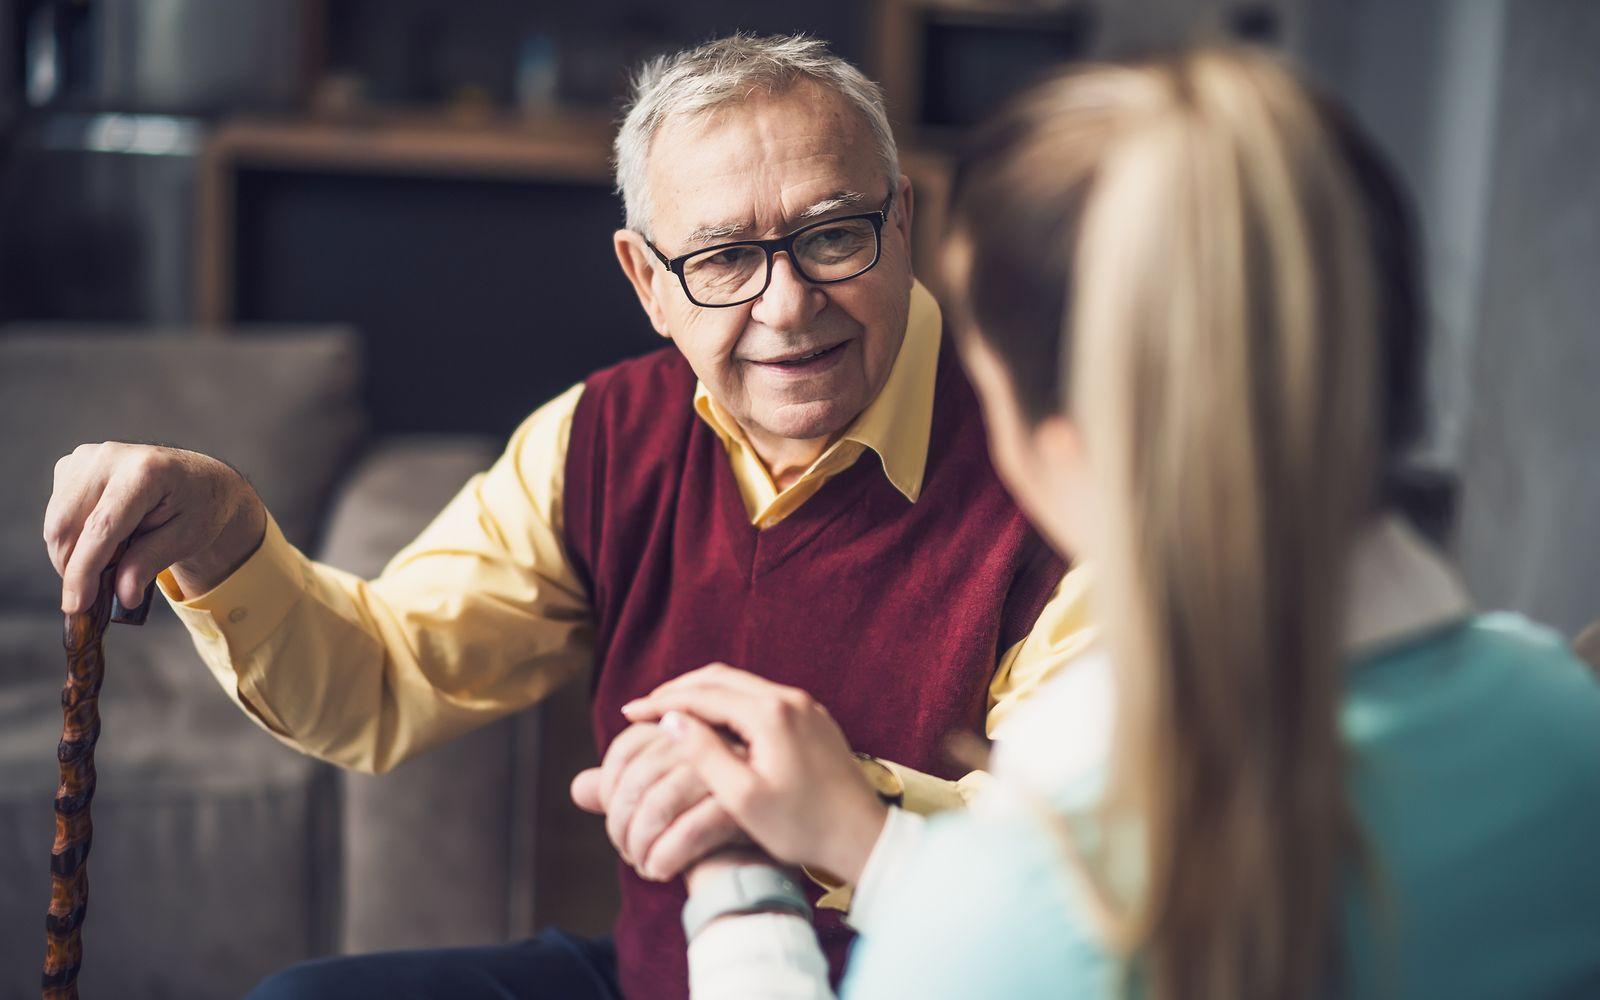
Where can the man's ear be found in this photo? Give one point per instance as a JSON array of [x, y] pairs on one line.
[[903, 220], [639, 264]]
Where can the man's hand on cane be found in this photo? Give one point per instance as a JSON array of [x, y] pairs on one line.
[[175, 508]]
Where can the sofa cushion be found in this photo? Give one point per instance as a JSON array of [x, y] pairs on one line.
[[282, 407], [399, 486]]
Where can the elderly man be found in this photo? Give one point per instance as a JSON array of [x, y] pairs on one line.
[[798, 485]]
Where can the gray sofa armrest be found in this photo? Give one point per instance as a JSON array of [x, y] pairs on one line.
[[474, 841], [398, 487], [432, 852]]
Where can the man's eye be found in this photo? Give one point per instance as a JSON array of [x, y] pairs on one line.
[[833, 244], [732, 258]]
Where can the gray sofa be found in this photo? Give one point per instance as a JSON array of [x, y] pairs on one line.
[[220, 855]]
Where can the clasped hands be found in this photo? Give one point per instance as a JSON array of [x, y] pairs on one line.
[[719, 766]]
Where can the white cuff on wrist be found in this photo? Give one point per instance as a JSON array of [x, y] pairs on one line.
[[898, 840]]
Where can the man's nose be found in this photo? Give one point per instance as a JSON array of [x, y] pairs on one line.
[[790, 300]]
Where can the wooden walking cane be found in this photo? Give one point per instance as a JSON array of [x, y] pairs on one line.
[[80, 728]]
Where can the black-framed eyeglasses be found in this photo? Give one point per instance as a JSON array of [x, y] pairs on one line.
[[824, 253]]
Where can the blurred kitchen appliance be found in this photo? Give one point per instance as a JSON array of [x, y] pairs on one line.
[[97, 184], [167, 56], [97, 218]]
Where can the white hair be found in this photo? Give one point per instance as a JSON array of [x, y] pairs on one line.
[[726, 71]]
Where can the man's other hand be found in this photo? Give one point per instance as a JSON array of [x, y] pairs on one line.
[[775, 758], [659, 814]]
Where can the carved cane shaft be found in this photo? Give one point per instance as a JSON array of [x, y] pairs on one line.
[[80, 728]]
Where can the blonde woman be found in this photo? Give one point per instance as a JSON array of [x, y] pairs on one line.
[[1301, 766]]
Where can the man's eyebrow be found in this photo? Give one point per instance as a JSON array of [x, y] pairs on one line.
[[832, 203], [704, 235], [716, 232]]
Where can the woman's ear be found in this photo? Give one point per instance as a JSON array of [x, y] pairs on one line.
[[1066, 482], [639, 265], [902, 219], [1059, 445]]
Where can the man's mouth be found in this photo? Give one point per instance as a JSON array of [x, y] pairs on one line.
[[807, 359]]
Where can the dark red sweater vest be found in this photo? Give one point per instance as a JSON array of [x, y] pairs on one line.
[[892, 614]]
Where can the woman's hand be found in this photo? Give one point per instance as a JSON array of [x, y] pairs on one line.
[[800, 794]]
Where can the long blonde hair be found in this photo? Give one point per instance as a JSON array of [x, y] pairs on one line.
[[1216, 288]]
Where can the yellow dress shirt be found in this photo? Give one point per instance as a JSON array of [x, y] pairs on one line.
[[482, 614]]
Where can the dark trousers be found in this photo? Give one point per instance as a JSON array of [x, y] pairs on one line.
[[554, 965]]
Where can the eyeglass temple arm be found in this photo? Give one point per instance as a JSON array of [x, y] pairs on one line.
[[663, 258]]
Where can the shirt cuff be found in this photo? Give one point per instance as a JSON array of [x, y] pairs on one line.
[[923, 793], [892, 851], [231, 620], [757, 955], [245, 608]]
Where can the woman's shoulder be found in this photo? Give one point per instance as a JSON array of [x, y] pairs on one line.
[[1493, 710], [992, 886], [1476, 774], [991, 893], [1497, 666], [1057, 745]]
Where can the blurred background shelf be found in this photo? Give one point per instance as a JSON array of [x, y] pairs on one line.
[[571, 146], [478, 266], [455, 246], [486, 239], [434, 174]]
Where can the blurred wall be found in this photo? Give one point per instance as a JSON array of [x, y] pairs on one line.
[[1531, 466], [1491, 111], [1423, 77]]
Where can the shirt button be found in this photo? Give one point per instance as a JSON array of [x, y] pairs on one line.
[[238, 615]]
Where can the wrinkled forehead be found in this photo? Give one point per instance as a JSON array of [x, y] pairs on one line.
[[760, 166]]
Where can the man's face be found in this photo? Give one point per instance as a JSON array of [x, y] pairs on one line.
[[757, 170]]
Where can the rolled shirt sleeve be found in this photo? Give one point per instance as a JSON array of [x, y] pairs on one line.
[[478, 617]]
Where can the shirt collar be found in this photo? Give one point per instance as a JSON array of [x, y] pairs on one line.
[[897, 423]]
